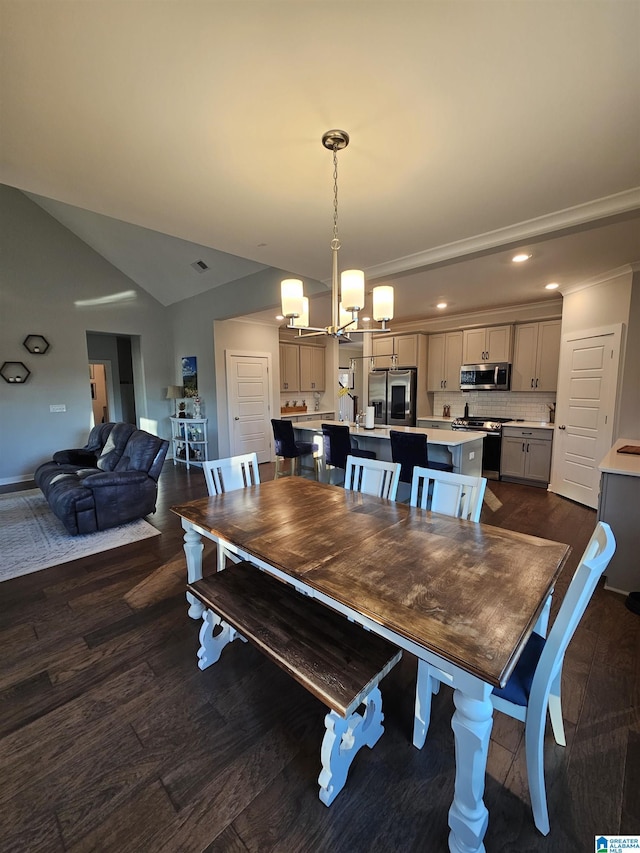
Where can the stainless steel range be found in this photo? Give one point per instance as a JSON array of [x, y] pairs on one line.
[[492, 443]]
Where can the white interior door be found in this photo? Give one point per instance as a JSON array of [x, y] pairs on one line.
[[585, 413], [249, 405]]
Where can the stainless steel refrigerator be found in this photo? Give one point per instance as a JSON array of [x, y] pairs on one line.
[[392, 393]]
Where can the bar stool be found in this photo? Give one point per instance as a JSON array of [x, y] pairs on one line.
[[338, 445], [410, 449], [286, 447]]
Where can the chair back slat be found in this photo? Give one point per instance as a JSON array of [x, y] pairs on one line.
[[592, 566], [235, 472], [372, 477], [451, 494]]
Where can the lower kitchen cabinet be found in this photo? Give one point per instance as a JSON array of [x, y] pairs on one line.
[[526, 455]]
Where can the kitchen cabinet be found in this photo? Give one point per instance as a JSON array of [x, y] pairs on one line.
[[536, 354], [526, 455], [404, 346], [425, 423], [444, 361], [289, 368], [312, 372], [492, 344]]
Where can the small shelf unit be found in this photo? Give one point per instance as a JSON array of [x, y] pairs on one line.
[[189, 442]]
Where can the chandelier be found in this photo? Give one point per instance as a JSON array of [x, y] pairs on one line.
[[347, 290]]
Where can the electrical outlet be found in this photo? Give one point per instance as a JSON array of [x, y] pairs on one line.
[[57, 407], [472, 454]]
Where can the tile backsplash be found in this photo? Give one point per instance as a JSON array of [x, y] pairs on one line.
[[499, 404]]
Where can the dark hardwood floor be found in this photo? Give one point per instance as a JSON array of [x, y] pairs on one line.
[[113, 740]]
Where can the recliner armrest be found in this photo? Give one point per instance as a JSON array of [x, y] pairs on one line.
[[76, 456], [115, 478]]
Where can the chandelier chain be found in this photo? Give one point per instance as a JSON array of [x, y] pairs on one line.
[[335, 243]]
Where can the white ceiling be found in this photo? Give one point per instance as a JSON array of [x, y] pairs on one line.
[[163, 133]]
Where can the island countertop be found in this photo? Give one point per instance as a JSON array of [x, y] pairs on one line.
[[448, 437]]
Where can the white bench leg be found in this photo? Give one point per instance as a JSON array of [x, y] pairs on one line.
[[426, 686], [211, 643], [342, 740]]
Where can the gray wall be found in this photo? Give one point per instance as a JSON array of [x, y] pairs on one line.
[[44, 271]]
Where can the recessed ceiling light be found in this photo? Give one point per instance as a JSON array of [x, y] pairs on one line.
[[518, 259], [279, 317], [552, 286], [441, 305], [365, 319]]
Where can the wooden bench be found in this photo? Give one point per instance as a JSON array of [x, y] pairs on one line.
[[337, 661]]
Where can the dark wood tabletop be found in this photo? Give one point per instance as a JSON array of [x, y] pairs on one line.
[[471, 593]]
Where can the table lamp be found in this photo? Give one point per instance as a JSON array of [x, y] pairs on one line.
[[175, 392]]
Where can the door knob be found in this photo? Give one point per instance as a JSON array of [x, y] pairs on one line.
[[562, 427]]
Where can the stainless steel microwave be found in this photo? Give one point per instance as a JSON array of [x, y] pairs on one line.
[[485, 377]]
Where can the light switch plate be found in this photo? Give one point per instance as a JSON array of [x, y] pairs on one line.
[[57, 407]]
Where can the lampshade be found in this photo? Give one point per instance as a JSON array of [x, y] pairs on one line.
[[174, 392], [382, 303], [291, 293], [303, 320], [352, 289]]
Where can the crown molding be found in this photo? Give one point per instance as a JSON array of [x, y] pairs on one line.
[[571, 217], [627, 269]]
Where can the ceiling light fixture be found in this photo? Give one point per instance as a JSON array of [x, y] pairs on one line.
[[552, 286], [441, 305], [347, 291], [518, 259]]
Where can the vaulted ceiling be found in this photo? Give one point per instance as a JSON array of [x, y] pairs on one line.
[[166, 133]]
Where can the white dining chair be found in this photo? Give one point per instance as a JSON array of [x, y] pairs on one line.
[[451, 494], [372, 476], [534, 685], [227, 475]]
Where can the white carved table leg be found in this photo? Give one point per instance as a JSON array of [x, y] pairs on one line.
[[193, 548], [342, 740], [468, 815], [213, 641]]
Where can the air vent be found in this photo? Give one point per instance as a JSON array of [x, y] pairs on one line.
[[200, 266]]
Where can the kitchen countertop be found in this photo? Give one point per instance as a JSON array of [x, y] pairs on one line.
[[621, 463], [530, 424], [306, 414]]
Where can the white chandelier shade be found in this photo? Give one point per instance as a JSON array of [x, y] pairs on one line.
[[347, 290]]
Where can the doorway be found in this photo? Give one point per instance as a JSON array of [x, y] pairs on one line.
[[99, 392], [115, 354]]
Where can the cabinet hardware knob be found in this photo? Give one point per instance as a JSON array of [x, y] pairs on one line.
[[562, 427], [236, 418]]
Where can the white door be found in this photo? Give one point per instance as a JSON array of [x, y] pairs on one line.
[[585, 413], [249, 405]]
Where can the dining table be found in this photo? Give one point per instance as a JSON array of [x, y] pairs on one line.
[[462, 596]]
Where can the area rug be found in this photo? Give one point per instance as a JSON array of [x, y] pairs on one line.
[[32, 538]]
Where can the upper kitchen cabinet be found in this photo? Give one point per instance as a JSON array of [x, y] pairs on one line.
[[444, 361], [405, 347], [490, 344], [289, 367], [536, 356], [312, 373]]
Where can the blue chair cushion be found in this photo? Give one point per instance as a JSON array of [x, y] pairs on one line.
[[518, 687]]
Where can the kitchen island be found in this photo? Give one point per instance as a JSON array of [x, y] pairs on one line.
[[463, 450], [618, 506]]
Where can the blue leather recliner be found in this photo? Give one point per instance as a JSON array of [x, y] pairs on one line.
[[113, 479]]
